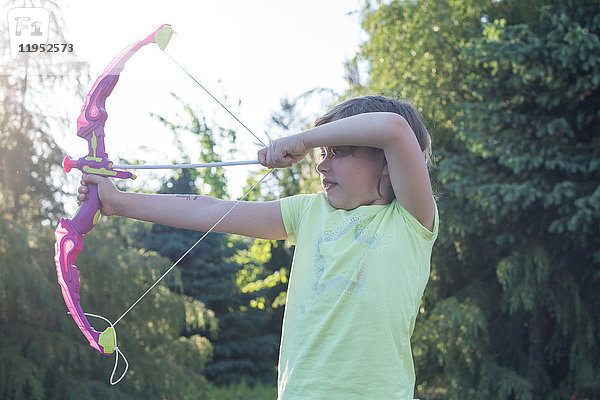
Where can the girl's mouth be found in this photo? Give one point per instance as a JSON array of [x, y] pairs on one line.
[[328, 185]]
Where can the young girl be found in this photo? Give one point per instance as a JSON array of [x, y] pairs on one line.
[[363, 247]]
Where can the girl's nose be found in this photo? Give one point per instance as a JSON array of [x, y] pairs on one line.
[[324, 165]]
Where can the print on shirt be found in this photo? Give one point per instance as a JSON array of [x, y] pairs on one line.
[[332, 278]]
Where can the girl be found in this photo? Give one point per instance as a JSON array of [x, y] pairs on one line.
[[363, 247]]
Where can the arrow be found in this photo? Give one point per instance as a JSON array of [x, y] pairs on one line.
[[176, 166]]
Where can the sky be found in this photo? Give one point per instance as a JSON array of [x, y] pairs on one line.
[[250, 54]]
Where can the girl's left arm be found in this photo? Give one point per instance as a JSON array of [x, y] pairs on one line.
[[388, 131]]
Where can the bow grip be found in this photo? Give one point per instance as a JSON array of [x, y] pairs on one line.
[[88, 213]]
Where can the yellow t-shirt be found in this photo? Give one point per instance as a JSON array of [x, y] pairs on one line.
[[355, 286]]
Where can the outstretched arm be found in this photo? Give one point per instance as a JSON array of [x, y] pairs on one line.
[[255, 219]]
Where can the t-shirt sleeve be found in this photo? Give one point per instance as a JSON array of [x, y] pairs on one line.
[[416, 226], [293, 209]]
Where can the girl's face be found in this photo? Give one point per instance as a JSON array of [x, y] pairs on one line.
[[354, 176]]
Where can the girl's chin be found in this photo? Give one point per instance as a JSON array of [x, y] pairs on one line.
[[338, 204]]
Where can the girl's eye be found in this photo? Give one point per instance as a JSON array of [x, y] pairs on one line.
[[339, 151], [334, 152]]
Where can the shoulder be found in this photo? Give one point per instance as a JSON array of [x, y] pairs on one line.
[[299, 200], [413, 224], [295, 210]]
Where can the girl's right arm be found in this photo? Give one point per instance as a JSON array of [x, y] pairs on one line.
[[255, 219]]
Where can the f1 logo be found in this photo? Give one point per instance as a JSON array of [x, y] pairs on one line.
[[27, 25]]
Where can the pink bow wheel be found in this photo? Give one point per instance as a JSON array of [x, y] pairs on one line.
[[71, 231]]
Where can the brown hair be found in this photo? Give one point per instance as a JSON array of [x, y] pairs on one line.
[[367, 104]]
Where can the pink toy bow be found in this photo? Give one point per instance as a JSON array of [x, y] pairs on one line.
[[70, 232]]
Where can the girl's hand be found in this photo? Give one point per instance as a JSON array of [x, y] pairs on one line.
[[107, 192], [283, 152]]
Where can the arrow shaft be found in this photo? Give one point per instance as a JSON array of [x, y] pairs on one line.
[[177, 166]]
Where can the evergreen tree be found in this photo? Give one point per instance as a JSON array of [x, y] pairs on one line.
[[529, 174], [243, 349], [508, 312]]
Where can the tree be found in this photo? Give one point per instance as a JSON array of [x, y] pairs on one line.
[[508, 311], [244, 350], [42, 352], [28, 152], [529, 173]]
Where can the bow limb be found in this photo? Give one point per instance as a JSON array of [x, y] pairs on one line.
[[70, 232], [69, 243]]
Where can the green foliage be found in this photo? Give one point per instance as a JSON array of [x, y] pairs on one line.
[[42, 353], [242, 391], [244, 344], [529, 131], [508, 312], [191, 131], [413, 53], [257, 276]]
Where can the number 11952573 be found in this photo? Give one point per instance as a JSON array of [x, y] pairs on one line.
[[48, 48]]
